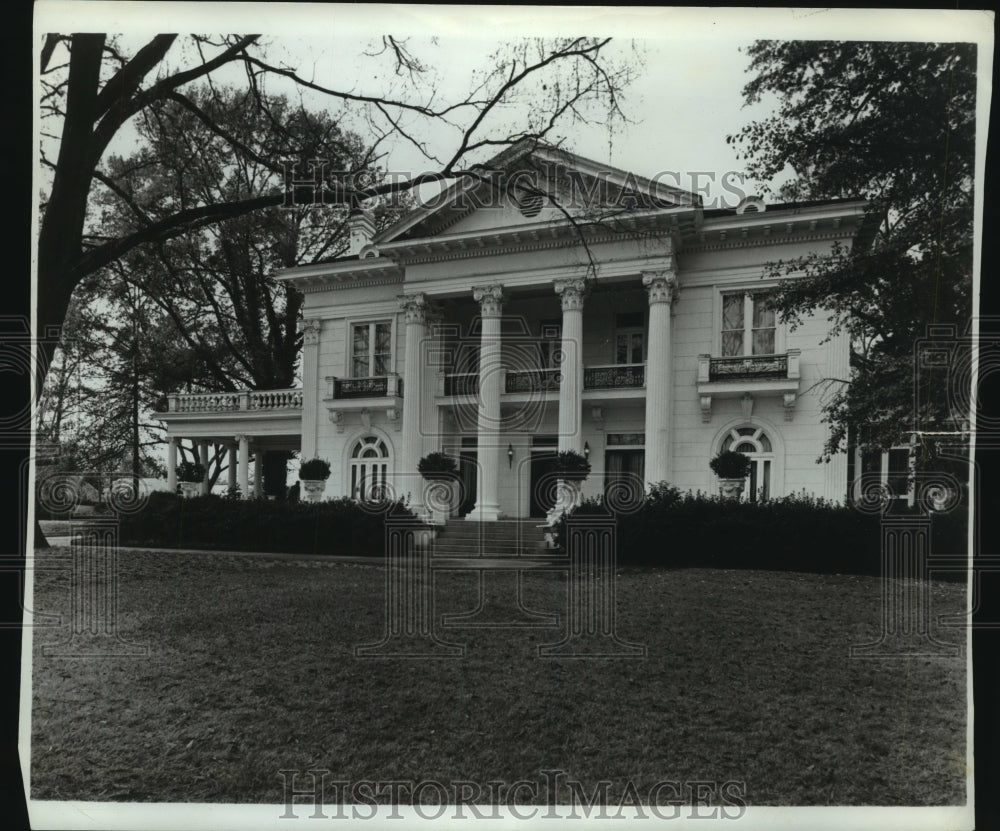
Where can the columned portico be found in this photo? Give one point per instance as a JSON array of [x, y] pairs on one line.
[[415, 309], [661, 287], [572, 293], [490, 299]]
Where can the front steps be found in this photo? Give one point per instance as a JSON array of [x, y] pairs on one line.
[[503, 538]]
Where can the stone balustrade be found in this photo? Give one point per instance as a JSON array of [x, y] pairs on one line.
[[227, 402]]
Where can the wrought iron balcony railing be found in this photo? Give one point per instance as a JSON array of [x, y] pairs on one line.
[[532, 380], [616, 376], [748, 367], [380, 386], [462, 383]]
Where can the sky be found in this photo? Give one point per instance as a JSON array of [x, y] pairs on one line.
[[686, 97]]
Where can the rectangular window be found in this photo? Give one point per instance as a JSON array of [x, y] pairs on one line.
[[630, 338], [732, 324], [748, 325], [763, 326], [371, 349]]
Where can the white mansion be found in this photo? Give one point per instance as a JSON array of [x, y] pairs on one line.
[[498, 326]]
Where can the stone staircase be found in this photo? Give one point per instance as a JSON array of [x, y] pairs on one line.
[[503, 538]]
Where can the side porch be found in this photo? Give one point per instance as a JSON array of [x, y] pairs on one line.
[[247, 425]]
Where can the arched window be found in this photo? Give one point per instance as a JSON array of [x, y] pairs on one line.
[[753, 441], [369, 469]]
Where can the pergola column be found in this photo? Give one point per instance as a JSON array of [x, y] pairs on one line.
[[490, 299], [244, 466], [231, 467], [572, 293], [203, 458], [415, 307], [172, 464], [661, 286], [310, 385]]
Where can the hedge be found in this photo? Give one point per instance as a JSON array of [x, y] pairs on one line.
[[336, 527], [794, 533]]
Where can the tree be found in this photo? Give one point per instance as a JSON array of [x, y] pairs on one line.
[[893, 123], [216, 284], [93, 88]]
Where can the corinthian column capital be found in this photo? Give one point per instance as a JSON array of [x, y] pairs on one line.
[[309, 327], [415, 307], [661, 286], [490, 299], [572, 293]]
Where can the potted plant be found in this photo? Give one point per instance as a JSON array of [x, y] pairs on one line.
[[732, 468], [571, 468], [437, 467], [439, 495], [313, 475], [190, 476]]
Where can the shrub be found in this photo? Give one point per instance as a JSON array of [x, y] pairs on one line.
[[793, 533], [336, 526], [190, 472], [437, 466], [572, 465], [731, 465], [314, 469]]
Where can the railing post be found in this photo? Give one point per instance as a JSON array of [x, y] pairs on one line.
[[793, 362], [704, 368], [245, 400]]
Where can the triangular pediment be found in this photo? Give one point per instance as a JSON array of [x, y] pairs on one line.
[[537, 186]]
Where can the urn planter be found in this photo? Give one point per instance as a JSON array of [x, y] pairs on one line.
[[439, 497], [731, 488], [313, 489], [568, 496], [189, 490]]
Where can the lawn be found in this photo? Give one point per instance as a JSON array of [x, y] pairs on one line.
[[251, 670]]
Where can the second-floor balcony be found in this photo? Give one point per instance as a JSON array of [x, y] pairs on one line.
[[746, 376], [598, 379], [235, 402], [362, 395]]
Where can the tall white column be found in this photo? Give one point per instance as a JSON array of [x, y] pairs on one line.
[[258, 471], [490, 299], [172, 464], [572, 293], [231, 467], [310, 386], [662, 286], [415, 307], [244, 466], [203, 457]]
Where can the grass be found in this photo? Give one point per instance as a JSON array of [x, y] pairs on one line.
[[251, 670]]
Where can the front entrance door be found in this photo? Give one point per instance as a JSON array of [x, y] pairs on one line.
[[543, 490], [468, 471]]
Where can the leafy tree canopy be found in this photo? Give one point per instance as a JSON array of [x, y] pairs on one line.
[[894, 124]]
